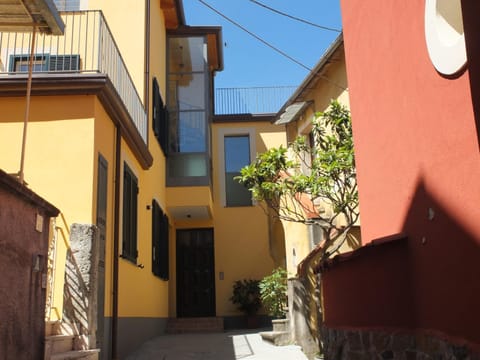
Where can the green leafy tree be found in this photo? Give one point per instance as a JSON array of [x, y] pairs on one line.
[[311, 183]]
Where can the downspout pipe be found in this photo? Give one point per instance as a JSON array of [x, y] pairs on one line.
[[21, 175], [146, 95], [116, 238]]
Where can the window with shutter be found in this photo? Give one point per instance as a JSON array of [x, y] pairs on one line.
[[159, 117], [130, 203], [160, 237]]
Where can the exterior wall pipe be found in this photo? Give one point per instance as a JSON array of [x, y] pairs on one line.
[[116, 230], [27, 106], [146, 95]]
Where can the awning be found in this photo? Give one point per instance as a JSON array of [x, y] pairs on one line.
[[22, 15], [292, 112]]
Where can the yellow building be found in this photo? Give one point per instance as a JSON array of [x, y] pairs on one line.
[[121, 135], [326, 82]]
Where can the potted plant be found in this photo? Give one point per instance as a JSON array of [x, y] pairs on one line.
[[246, 296], [273, 293]]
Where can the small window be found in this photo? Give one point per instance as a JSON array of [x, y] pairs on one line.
[[237, 155], [160, 240], [130, 201], [67, 5], [159, 118], [45, 62], [19, 63]]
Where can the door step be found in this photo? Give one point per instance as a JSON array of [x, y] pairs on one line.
[[77, 355], [62, 344], [278, 338], [195, 325], [281, 333]]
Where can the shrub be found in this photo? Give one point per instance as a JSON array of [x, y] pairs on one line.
[[273, 293], [246, 295]]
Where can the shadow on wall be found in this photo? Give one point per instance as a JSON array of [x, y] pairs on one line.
[[80, 291], [305, 304], [424, 283], [471, 9]]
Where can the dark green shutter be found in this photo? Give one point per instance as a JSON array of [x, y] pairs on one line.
[[159, 117], [164, 249], [160, 240], [130, 216]]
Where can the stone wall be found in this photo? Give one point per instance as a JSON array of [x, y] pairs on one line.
[[81, 280], [372, 344], [304, 310]]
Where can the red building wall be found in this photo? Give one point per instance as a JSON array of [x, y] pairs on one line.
[[417, 150], [22, 287]]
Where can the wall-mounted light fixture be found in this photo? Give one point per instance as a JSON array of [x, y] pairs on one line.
[[444, 35]]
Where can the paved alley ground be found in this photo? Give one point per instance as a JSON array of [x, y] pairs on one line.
[[218, 346]]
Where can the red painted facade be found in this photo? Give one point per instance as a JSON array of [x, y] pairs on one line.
[[416, 136], [23, 265]]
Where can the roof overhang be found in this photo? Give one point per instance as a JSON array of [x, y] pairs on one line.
[[173, 12], [296, 101], [23, 15], [292, 112]]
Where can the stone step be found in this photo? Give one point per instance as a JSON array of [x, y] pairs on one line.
[[77, 355], [278, 338], [55, 344], [51, 328], [281, 325], [195, 325]]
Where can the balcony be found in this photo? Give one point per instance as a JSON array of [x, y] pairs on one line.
[[254, 100], [87, 47]]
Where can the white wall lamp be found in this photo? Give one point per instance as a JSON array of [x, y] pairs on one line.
[[445, 36]]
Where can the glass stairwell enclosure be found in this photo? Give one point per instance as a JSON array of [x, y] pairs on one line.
[[188, 162]]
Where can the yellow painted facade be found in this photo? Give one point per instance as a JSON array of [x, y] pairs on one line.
[[70, 129], [245, 248], [48, 171]]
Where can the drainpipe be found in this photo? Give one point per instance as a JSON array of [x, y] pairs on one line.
[[146, 95], [27, 107], [116, 230]]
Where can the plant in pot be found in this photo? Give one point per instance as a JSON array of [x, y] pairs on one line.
[[246, 296], [273, 293]]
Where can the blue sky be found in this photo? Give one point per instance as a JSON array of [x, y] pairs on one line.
[[248, 62]]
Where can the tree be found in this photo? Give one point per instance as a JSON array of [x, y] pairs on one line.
[[311, 183]]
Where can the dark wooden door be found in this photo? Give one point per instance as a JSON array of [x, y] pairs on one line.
[[195, 273]]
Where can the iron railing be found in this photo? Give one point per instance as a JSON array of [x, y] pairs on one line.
[[86, 47], [253, 100]]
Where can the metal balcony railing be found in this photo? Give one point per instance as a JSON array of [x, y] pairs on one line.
[[86, 47], [254, 100]]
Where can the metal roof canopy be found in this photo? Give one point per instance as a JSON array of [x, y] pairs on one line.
[[23, 15], [292, 112]]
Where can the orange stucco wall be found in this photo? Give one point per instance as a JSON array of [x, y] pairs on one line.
[[417, 153]]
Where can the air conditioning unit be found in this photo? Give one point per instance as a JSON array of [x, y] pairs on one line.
[[44, 63], [64, 63]]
